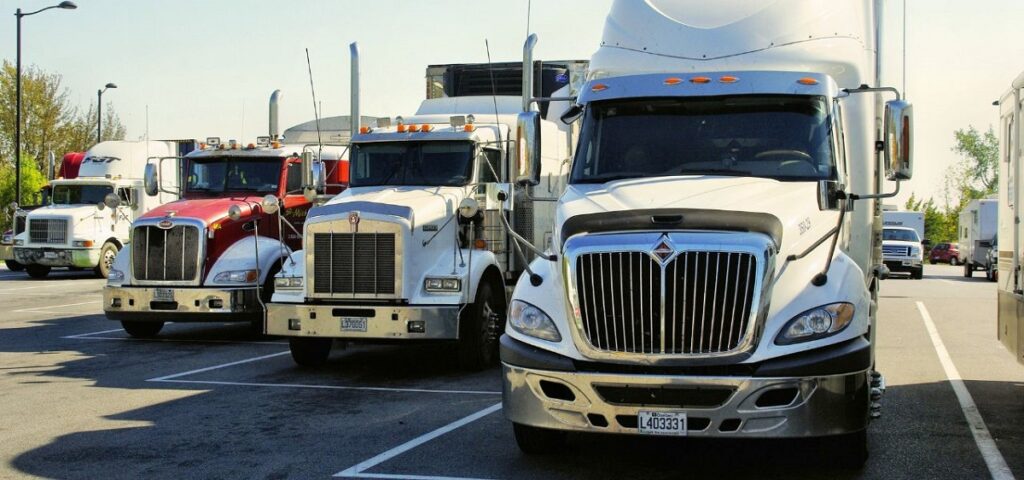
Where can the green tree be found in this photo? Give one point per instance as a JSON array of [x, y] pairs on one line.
[[937, 226], [976, 175]]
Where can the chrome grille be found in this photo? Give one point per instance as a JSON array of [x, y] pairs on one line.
[[170, 254], [895, 250], [48, 230], [354, 263], [705, 298]]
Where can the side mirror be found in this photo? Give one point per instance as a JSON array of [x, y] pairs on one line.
[[112, 200], [270, 204], [828, 194], [572, 114], [528, 149], [320, 176], [151, 180], [899, 140]]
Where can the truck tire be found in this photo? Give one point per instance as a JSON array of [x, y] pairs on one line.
[[479, 328], [37, 271], [851, 449], [968, 270], [107, 254], [953, 261], [918, 273], [14, 266], [990, 273], [538, 441], [142, 329], [310, 351]]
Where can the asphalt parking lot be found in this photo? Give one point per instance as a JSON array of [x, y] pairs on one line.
[[80, 399]]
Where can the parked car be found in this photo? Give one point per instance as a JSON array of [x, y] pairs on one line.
[[945, 253]]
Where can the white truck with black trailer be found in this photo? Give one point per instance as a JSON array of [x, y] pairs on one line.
[[423, 244], [715, 260]]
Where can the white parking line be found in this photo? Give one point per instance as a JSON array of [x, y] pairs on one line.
[[356, 471], [85, 335], [331, 387], [49, 308], [989, 451], [217, 367], [88, 336]]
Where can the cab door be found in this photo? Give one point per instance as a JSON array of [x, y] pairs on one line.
[[295, 204]]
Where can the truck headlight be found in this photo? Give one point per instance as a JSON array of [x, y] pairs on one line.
[[237, 276], [816, 323], [287, 283], [530, 320], [8, 238], [115, 275], [19, 242], [915, 251], [442, 284], [82, 243]]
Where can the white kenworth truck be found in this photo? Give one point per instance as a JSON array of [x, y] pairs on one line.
[[718, 246], [89, 217], [1008, 252], [420, 247]]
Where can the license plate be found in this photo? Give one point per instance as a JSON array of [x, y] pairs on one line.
[[163, 295], [906, 263], [353, 324], [49, 254], [661, 423]]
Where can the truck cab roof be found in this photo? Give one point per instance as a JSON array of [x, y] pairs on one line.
[[330, 152]]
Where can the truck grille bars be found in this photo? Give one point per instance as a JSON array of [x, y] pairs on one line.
[[170, 254], [48, 231], [354, 263], [696, 303], [895, 251]]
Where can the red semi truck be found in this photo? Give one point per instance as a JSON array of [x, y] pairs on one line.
[[193, 260]]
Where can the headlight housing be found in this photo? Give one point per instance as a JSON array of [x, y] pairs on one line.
[[442, 284], [115, 275], [237, 276], [820, 322], [532, 321], [287, 283], [8, 238], [19, 242], [915, 251]]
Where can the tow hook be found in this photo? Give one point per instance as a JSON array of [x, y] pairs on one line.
[[877, 389]]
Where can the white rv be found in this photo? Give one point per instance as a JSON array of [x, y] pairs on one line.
[[88, 218], [420, 247], [715, 260], [1010, 280], [978, 224]]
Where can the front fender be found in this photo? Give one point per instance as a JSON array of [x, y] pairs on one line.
[[242, 255], [550, 297], [122, 262], [470, 269]]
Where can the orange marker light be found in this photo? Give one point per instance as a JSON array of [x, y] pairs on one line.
[[673, 81], [364, 129], [598, 87], [414, 128], [807, 81], [728, 79], [480, 244], [469, 127], [401, 128], [701, 80], [426, 128]]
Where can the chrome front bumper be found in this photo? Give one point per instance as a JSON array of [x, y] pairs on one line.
[[58, 257], [819, 406], [189, 305], [381, 322]]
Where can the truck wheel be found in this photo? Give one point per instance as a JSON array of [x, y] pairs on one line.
[[107, 255], [479, 329], [918, 273], [310, 351], [37, 271], [142, 329], [851, 449], [14, 266], [538, 441], [968, 270], [953, 261]]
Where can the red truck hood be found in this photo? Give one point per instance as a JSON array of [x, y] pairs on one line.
[[206, 209]]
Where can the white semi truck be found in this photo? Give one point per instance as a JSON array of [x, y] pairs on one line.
[[89, 217], [718, 247], [1010, 282], [420, 247], [978, 225]]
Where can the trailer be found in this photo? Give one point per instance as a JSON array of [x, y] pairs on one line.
[[977, 228], [1009, 282], [715, 263]]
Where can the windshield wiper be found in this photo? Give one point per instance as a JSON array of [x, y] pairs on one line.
[[717, 171]]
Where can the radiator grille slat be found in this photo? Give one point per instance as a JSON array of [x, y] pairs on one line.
[[705, 297], [354, 263], [170, 255], [895, 250], [53, 231]]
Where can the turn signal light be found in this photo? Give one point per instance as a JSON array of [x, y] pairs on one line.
[[701, 80], [673, 81], [728, 79], [598, 87], [480, 244], [807, 81]]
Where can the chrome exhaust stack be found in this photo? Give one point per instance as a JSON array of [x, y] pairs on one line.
[[355, 119], [531, 42], [274, 129]]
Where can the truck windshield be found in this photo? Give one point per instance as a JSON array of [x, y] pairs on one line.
[[900, 235], [446, 164], [260, 175], [785, 137], [80, 194]]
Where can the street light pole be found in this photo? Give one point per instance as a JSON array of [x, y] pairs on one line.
[[99, 111], [17, 93]]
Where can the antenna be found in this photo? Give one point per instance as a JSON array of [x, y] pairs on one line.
[[494, 94], [529, 7], [242, 136], [316, 114]]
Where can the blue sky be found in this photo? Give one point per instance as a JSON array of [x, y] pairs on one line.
[[199, 65]]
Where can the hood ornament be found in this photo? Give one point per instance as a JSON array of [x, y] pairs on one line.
[[165, 224], [353, 220], [663, 250]]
